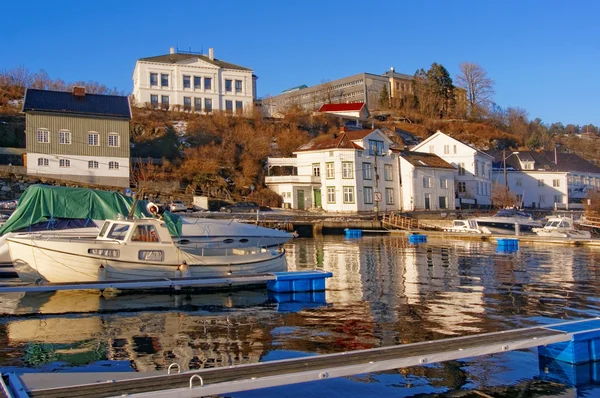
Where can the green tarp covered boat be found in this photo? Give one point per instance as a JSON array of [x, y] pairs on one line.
[[44, 203]]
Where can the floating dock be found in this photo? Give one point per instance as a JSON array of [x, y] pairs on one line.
[[557, 341], [280, 282]]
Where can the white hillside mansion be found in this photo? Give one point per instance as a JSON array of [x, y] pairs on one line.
[[193, 82], [474, 168], [348, 172]]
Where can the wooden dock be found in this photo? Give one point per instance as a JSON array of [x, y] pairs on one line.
[[283, 372]]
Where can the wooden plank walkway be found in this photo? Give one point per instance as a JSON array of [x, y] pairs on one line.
[[276, 373]]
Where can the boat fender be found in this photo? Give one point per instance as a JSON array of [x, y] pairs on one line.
[[101, 273], [184, 269]]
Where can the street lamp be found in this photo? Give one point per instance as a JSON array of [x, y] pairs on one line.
[[504, 157]]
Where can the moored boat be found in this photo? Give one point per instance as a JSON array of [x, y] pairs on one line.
[[132, 249], [561, 227], [507, 220]]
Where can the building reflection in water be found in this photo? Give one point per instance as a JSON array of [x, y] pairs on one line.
[[384, 291]]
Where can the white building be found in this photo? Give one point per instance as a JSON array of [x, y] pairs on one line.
[[427, 182], [192, 81], [546, 179], [348, 172], [474, 168]]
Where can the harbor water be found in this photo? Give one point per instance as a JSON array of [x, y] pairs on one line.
[[384, 291]]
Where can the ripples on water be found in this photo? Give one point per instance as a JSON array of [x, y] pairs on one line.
[[385, 291]]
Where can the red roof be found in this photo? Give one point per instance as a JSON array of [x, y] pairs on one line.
[[353, 106]]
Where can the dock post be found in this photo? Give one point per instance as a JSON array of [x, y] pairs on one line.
[[318, 228], [517, 229]]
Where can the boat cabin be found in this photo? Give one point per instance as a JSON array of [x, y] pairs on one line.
[[136, 230], [561, 222]]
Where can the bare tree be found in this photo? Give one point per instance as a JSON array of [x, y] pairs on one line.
[[479, 87]]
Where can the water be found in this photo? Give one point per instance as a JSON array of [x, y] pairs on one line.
[[385, 291]]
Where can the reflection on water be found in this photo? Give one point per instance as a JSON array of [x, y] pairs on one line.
[[384, 291]]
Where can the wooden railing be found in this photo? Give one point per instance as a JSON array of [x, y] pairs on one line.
[[399, 221]]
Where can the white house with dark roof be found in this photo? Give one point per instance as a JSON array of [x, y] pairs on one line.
[[427, 182], [193, 82], [474, 168], [350, 171], [546, 179], [77, 136]]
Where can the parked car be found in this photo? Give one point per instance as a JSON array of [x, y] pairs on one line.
[[177, 205], [248, 207]]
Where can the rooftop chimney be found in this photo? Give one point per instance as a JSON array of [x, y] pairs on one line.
[[172, 50], [79, 91], [211, 54]]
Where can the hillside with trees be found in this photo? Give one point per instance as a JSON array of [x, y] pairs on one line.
[[225, 156]]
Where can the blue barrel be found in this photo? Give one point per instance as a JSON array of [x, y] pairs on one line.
[[353, 233], [508, 244]]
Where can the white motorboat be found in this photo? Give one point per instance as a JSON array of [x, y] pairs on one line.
[[506, 221], [132, 249], [468, 226], [561, 227], [78, 212]]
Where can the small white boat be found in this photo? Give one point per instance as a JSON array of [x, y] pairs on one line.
[[561, 227], [132, 249], [469, 226]]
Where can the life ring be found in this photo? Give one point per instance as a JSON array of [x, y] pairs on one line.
[[152, 208]]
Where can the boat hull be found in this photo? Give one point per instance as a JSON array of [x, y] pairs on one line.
[[56, 262]]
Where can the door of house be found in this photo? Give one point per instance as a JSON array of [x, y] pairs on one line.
[[317, 201], [427, 201], [300, 199]]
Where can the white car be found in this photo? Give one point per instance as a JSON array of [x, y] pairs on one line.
[[177, 205]]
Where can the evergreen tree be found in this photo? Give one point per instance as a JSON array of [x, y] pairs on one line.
[[384, 98]]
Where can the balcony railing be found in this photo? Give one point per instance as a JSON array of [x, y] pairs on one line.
[[283, 162], [292, 179]]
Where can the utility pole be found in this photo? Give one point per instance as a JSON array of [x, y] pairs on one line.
[[376, 189]]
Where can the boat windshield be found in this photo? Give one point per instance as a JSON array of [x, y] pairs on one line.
[[118, 231], [512, 213]]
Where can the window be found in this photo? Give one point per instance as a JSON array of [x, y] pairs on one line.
[[368, 195], [207, 83], [347, 170], [556, 183], [154, 79], [461, 169], [113, 140], [446, 149], [43, 136], [426, 182], [316, 169], [329, 170], [558, 198], [43, 162], [113, 165], [228, 106], [443, 202], [483, 169], [389, 196], [461, 187], [151, 255], [455, 149], [348, 194], [443, 183], [64, 137], [519, 182], [367, 171], [187, 103], [165, 101], [431, 149], [238, 86], [92, 164], [145, 233], [388, 172], [541, 183], [239, 107], [197, 82], [375, 147], [154, 100], [93, 139], [477, 167], [164, 80], [227, 85], [330, 194], [207, 105], [519, 198], [359, 154], [64, 163], [197, 104], [187, 82], [542, 199]]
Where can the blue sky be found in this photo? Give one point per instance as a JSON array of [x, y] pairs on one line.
[[542, 54]]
